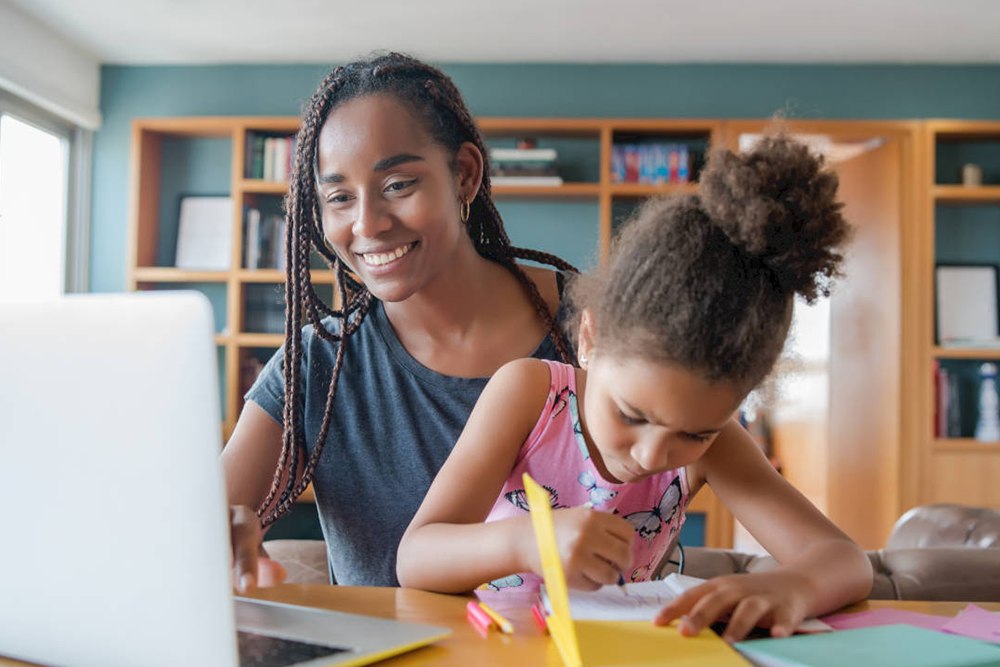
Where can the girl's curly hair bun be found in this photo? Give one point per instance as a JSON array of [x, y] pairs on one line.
[[778, 204]]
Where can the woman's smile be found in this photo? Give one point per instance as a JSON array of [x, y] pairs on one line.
[[388, 257]]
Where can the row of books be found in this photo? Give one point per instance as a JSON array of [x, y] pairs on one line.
[[264, 309], [269, 157], [524, 166], [650, 163], [947, 403], [264, 240]]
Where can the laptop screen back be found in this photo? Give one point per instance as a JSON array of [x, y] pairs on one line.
[[115, 531]]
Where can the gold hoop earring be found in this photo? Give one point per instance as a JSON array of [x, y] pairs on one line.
[[465, 210]]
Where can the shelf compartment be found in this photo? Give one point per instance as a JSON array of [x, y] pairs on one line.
[[169, 274], [319, 276], [981, 353], [259, 339], [969, 445], [651, 190], [960, 194], [262, 187]]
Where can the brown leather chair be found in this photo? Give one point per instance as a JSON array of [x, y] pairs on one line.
[[934, 552]]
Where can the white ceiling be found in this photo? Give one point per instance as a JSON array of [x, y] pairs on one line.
[[659, 31]]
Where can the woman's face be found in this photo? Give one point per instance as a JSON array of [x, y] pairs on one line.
[[390, 195]]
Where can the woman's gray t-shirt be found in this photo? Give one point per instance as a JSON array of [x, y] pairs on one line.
[[393, 424]]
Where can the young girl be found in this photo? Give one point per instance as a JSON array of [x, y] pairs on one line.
[[690, 314]]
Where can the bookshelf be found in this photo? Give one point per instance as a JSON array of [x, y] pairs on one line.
[[962, 227], [215, 155]]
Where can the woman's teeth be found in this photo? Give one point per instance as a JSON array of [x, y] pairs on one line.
[[378, 259]]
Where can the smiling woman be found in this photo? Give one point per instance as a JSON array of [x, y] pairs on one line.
[[391, 186]]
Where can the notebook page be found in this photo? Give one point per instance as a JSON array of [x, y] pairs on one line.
[[639, 601]]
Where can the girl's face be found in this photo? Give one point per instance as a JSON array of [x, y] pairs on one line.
[[644, 417], [390, 195]]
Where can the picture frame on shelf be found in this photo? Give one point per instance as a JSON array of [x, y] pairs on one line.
[[965, 305], [204, 233]]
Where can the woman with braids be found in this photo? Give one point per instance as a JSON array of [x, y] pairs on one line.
[[391, 186], [691, 313]]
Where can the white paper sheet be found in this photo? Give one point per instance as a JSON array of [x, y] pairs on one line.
[[642, 601]]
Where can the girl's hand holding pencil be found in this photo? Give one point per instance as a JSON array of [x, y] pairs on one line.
[[595, 547]]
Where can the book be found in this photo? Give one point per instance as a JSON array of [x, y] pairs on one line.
[[255, 167], [527, 180], [281, 146], [277, 245], [523, 154], [268, 174], [981, 343], [881, 646], [251, 238]]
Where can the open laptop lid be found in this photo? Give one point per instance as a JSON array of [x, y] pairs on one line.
[[109, 437]]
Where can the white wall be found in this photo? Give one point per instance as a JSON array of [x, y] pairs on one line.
[[43, 67]]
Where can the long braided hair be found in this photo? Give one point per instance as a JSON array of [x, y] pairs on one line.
[[433, 97]]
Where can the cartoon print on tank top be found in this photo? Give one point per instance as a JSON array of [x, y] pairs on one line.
[[574, 411], [598, 494], [510, 581], [649, 523], [560, 399], [519, 499], [645, 572]]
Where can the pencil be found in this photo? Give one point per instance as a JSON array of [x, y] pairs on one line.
[[502, 623]]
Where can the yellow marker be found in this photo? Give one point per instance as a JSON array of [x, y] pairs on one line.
[[502, 623]]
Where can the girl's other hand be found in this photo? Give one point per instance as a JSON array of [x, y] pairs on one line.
[[595, 547], [251, 565], [776, 600]]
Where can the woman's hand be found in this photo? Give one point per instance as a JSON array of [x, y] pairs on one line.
[[777, 600], [251, 565], [595, 547]]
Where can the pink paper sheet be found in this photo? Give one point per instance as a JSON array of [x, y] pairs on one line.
[[977, 623], [866, 619]]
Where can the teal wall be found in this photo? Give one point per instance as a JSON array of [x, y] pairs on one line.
[[700, 91]]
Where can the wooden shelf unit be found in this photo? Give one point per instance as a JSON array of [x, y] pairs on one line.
[[145, 226], [953, 469]]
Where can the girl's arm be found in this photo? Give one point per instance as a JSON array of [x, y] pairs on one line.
[[448, 548], [820, 570]]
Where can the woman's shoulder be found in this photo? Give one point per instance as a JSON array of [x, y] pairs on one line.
[[550, 284]]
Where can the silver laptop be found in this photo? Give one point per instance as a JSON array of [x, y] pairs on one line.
[[115, 547]]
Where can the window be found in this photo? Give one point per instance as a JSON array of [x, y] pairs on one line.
[[41, 231]]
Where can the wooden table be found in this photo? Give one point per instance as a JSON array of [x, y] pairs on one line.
[[525, 648]]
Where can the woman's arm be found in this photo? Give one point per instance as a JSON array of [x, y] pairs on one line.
[[248, 462], [820, 570], [448, 548]]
